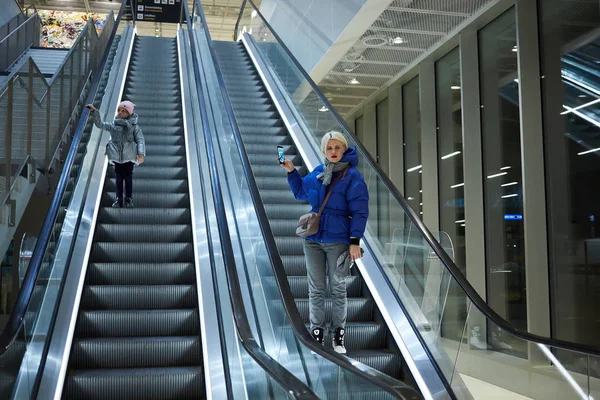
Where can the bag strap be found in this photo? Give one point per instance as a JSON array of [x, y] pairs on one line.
[[329, 194]]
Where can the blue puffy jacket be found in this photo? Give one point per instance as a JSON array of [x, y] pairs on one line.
[[347, 210]]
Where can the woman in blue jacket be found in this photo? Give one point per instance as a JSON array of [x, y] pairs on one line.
[[341, 227]]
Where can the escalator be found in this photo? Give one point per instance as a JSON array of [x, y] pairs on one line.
[[367, 337], [137, 330]]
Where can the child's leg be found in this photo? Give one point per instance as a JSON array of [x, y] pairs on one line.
[[128, 176], [119, 180]]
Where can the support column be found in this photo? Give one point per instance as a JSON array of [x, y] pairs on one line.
[[473, 161], [396, 137], [532, 158], [429, 154]]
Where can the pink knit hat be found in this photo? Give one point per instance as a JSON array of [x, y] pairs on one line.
[[127, 105]]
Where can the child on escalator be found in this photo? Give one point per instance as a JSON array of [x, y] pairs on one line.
[[125, 149]]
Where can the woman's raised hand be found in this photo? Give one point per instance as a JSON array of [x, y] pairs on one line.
[[287, 165]]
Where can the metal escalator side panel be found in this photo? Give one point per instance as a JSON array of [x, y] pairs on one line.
[[87, 195], [402, 330], [198, 172]]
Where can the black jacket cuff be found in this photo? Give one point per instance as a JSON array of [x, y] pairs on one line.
[[355, 240]]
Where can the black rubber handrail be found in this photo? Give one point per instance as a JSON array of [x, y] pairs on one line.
[[384, 382], [17, 316], [470, 292], [282, 376]]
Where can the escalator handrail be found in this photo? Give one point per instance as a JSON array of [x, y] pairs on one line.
[[371, 375], [17, 316], [457, 275], [288, 381]]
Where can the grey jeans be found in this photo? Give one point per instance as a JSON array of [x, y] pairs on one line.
[[321, 260]]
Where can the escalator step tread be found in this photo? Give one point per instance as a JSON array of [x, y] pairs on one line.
[[151, 200], [127, 297], [143, 233], [141, 273], [148, 215], [135, 383], [128, 323], [142, 252], [136, 352]]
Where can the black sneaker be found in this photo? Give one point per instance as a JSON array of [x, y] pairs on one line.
[[118, 203], [338, 341], [318, 335], [128, 202]]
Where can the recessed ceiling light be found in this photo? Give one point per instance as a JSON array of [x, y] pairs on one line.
[[398, 40], [455, 87], [515, 49], [517, 80], [354, 81], [581, 96], [323, 109], [254, 14]]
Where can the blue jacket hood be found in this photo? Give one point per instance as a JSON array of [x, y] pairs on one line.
[[350, 156]]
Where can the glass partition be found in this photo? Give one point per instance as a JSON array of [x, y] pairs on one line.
[[271, 324], [475, 347]]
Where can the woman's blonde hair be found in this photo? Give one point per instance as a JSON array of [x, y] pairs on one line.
[[332, 135]]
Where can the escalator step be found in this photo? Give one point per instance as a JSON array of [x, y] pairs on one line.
[[136, 384], [259, 125], [151, 185], [146, 297], [289, 245], [165, 150], [284, 227], [142, 252], [267, 142], [143, 233], [159, 216], [274, 171], [294, 265], [144, 352], [166, 161], [151, 200], [128, 323], [360, 309], [161, 173], [142, 274], [384, 360], [277, 196]]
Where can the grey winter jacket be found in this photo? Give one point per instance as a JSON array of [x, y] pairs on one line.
[[126, 139]]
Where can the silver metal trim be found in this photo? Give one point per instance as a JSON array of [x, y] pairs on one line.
[[214, 371], [86, 200], [234, 350], [397, 321]]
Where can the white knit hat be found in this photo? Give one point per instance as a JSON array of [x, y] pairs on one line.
[[332, 135]]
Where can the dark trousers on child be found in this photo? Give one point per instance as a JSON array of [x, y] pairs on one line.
[[124, 172]]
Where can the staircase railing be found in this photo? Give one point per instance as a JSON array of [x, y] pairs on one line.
[[36, 115], [17, 40]]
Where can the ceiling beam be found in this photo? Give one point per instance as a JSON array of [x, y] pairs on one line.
[[335, 73], [402, 30], [429, 12]]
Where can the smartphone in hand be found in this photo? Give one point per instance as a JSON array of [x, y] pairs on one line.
[[280, 154]]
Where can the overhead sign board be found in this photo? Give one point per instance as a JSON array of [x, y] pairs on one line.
[[155, 11]]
